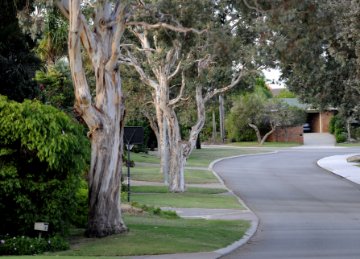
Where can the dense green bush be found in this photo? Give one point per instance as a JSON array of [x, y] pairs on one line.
[[43, 153], [80, 216], [337, 127], [30, 246]]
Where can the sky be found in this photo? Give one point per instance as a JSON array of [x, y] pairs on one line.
[[272, 78]]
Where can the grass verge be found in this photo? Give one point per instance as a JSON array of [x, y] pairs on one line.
[[266, 144], [187, 200], [152, 174], [155, 235], [164, 189]]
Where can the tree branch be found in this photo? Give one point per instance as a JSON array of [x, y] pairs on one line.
[[175, 72], [82, 92], [166, 26], [225, 88], [179, 97], [255, 8], [87, 37], [195, 130], [171, 57], [119, 30], [131, 60]]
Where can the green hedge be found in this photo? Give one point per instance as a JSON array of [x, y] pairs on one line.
[[43, 153], [337, 127]]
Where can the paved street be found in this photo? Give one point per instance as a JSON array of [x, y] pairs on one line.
[[304, 211]]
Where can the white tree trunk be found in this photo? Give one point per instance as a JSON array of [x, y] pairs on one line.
[[104, 182], [214, 127], [105, 116], [165, 153], [222, 118]]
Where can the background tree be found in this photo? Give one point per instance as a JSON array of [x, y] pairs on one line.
[[262, 114], [160, 52], [314, 43], [17, 63]]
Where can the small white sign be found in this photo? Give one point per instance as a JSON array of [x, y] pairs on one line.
[[41, 226]]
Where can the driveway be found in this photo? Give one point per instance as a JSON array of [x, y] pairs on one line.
[[304, 211], [319, 139]]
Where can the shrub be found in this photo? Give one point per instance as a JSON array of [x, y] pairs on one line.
[[29, 246], [340, 136], [337, 127], [42, 155], [156, 211]]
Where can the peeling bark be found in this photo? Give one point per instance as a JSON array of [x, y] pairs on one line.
[[104, 115]]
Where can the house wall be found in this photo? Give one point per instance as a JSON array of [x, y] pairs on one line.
[[319, 122], [287, 134], [326, 117]]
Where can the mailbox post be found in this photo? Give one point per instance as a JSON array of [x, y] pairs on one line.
[[132, 135], [41, 227]]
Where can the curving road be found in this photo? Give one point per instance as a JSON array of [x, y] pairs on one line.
[[304, 211]]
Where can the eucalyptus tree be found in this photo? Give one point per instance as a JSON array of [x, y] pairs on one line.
[[262, 114], [175, 61], [315, 44], [99, 37]]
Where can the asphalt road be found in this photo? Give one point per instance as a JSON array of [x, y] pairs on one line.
[[304, 211]]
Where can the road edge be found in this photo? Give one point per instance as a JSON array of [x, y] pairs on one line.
[[255, 222]]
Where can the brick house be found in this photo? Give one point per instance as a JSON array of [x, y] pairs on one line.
[[318, 121]]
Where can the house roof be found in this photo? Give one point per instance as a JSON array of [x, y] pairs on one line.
[[296, 103]]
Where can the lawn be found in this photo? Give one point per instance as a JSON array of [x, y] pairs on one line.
[[152, 234], [152, 174], [156, 235], [198, 158], [164, 189], [187, 200], [266, 144]]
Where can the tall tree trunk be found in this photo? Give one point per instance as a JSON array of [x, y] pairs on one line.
[[104, 182], [222, 118], [165, 153], [177, 159], [177, 168], [105, 115], [348, 129], [214, 127]]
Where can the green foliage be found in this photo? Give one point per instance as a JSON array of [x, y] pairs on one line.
[[53, 44], [80, 217], [56, 86], [261, 88], [43, 153], [332, 124], [156, 211], [340, 136], [337, 127], [17, 62], [30, 246], [256, 109], [285, 93], [246, 108]]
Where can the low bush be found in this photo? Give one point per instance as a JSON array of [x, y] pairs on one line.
[[337, 127], [30, 246], [156, 211]]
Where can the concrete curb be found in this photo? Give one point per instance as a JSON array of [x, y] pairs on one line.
[[254, 222], [338, 165]]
